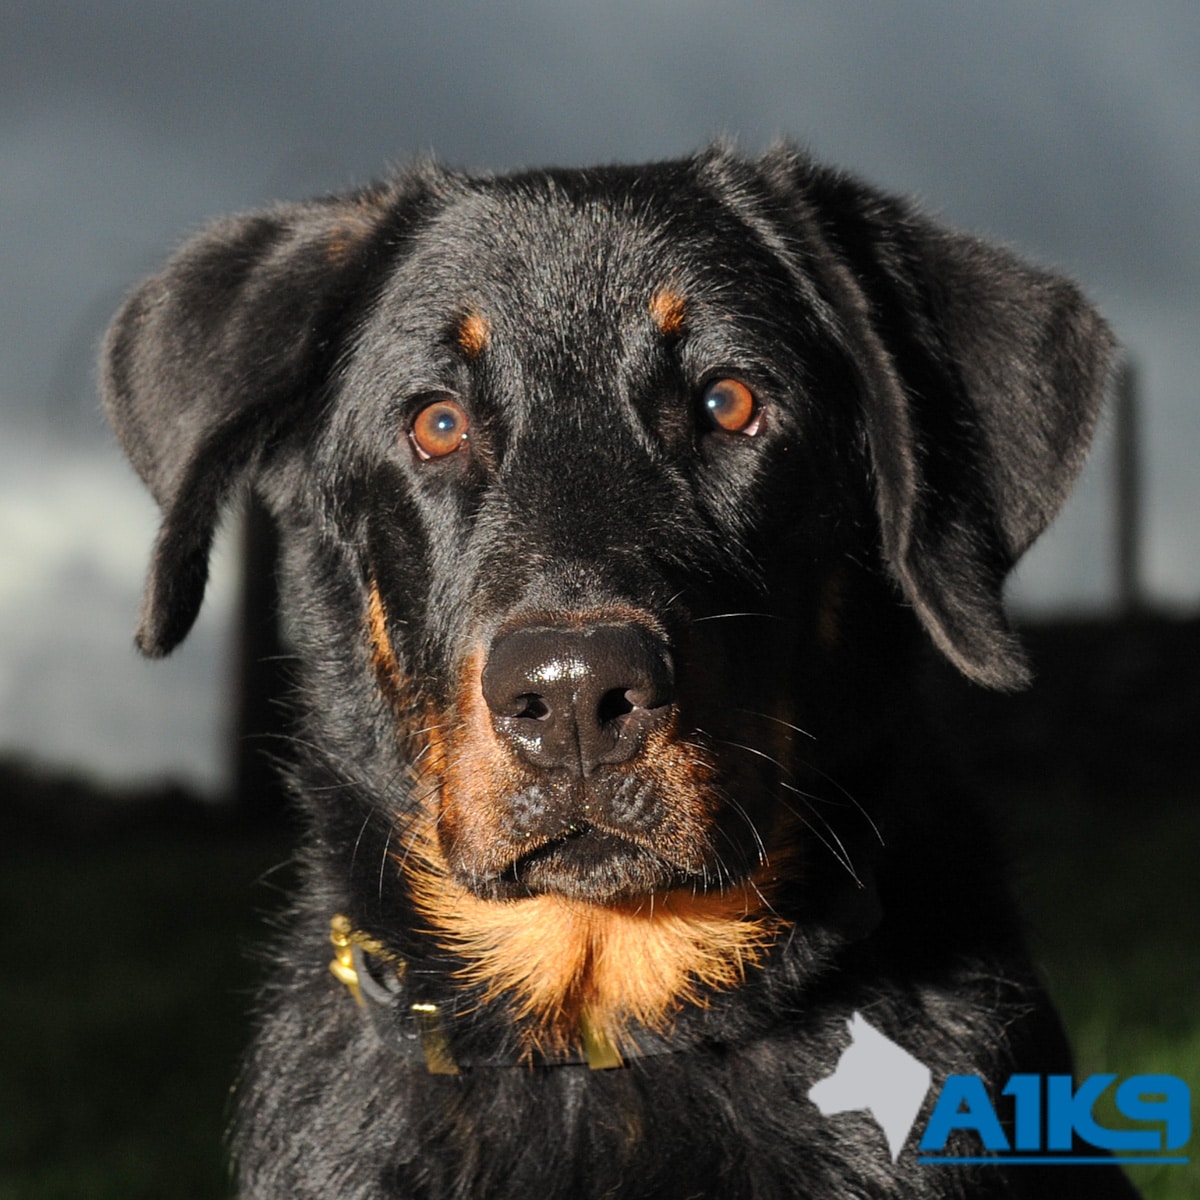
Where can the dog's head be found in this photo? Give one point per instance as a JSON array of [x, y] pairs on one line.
[[603, 480]]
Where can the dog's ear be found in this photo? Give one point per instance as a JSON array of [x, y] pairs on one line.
[[211, 359], [982, 379]]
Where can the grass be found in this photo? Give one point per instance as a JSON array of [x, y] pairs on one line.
[[1113, 898], [123, 1013], [127, 983]]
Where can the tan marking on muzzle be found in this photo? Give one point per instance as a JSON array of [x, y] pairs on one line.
[[383, 656]]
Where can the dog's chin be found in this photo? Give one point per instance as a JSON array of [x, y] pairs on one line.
[[590, 865]]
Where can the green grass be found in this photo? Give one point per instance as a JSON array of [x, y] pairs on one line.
[[126, 986], [1114, 900], [122, 1015]]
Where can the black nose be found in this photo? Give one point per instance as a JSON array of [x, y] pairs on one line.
[[568, 698]]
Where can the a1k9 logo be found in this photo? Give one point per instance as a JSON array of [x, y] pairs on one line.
[[1052, 1118]]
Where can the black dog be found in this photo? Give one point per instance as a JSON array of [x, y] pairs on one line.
[[619, 507]]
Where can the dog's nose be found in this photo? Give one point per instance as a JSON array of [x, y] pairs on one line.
[[572, 699]]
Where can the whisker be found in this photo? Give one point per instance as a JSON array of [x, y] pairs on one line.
[[414, 836], [850, 799], [362, 830], [753, 750], [837, 847], [741, 812], [810, 767], [430, 728], [383, 861], [779, 721], [727, 615], [841, 853]]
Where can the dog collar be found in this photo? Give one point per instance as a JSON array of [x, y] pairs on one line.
[[419, 1030]]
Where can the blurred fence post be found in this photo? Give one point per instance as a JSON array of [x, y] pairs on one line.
[[1128, 491]]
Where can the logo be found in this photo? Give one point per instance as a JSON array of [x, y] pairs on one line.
[[1160, 1104], [879, 1076], [1050, 1119]]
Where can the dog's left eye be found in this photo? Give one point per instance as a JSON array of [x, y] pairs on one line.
[[439, 429], [730, 405]]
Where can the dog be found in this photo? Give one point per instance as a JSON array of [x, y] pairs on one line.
[[620, 510]]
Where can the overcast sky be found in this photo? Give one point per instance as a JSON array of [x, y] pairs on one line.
[[1071, 130]]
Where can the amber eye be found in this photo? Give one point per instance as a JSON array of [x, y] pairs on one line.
[[439, 429], [730, 406]]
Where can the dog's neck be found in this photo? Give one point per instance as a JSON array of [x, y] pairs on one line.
[[577, 984]]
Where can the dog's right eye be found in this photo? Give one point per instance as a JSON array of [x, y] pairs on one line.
[[439, 429], [730, 405]]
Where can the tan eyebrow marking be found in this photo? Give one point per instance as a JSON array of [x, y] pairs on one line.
[[669, 310], [474, 333]]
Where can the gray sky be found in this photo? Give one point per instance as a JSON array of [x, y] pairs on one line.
[[1070, 130]]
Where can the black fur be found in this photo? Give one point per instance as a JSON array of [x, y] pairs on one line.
[[924, 401]]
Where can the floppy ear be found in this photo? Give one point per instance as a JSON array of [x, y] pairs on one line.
[[982, 379], [210, 360]]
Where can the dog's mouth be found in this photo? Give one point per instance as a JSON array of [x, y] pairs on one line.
[[585, 815], [586, 863]]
